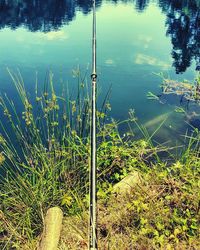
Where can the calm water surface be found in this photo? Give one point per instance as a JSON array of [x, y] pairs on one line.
[[135, 40]]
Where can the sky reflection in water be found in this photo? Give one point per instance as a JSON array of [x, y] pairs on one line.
[[132, 43]]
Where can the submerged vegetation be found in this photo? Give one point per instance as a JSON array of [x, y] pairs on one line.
[[44, 158]]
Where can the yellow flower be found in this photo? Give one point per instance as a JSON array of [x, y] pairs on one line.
[[74, 133], [2, 158], [67, 200], [178, 165], [2, 140]]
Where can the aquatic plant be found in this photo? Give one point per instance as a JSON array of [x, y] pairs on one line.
[[152, 96]]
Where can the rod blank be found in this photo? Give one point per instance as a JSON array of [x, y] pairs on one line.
[[93, 174]]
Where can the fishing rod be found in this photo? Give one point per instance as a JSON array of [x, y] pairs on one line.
[[93, 165]]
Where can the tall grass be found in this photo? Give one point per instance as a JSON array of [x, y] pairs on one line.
[[44, 156], [44, 159]]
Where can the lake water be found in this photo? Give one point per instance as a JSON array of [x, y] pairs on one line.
[[135, 40]]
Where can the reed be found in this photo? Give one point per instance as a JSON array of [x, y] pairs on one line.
[[44, 156]]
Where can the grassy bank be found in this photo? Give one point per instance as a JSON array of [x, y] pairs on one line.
[[44, 158]]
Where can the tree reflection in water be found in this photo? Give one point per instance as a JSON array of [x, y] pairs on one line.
[[183, 26], [182, 21], [41, 15]]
